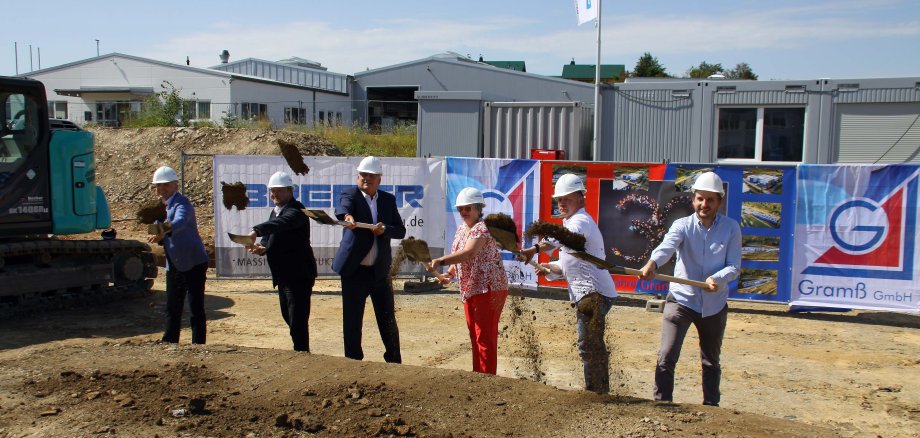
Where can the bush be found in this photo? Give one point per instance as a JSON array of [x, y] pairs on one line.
[[165, 108]]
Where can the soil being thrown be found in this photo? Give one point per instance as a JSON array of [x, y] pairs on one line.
[[234, 195]]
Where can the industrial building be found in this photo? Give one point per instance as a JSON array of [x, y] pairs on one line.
[[109, 89], [464, 107]]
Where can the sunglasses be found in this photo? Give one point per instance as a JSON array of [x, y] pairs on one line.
[[461, 209]]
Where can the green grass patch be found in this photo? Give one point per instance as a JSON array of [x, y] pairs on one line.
[[359, 141]]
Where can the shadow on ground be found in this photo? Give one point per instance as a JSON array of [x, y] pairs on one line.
[[123, 318]]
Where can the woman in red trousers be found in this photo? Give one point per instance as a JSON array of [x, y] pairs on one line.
[[476, 263]]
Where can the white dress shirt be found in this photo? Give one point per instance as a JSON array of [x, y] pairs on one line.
[[371, 256]]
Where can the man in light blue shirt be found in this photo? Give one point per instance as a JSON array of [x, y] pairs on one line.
[[708, 245]]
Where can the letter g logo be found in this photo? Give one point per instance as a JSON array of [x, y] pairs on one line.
[[848, 217]]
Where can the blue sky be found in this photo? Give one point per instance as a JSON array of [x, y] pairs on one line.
[[779, 39]]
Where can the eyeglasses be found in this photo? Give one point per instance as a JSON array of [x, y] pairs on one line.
[[463, 208]]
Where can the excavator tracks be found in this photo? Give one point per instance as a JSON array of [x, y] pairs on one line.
[[43, 274]]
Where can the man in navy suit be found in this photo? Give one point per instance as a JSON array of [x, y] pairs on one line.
[[286, 245], [363, 260], [186, 258]]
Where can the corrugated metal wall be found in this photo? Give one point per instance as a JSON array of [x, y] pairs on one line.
[[511, 129], [449, 128], [651, 125], [873, 120], [883, 133]]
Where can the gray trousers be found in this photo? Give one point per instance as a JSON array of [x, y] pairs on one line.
[[674, 326]]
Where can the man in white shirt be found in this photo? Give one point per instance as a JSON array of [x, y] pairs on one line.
[[591, 289]]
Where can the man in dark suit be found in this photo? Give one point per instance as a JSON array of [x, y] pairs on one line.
[[286, 244], [363, 259], [186, 258]]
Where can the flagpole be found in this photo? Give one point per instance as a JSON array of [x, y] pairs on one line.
[[597, 90]]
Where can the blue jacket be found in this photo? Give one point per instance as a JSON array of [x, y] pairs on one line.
[[182, 244], [357, 243]]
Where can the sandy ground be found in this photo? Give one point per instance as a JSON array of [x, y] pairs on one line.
[[100, 372]]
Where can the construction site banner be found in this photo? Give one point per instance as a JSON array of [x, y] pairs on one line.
[[416, 183], [624, 199], [764, 206], [508, 186], [856, 238]]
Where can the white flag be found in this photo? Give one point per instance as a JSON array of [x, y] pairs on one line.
[[586, 10]]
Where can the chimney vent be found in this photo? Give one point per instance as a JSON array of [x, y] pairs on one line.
[[224, 56]]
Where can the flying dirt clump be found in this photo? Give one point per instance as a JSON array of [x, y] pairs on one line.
[[151, 212], [572, 240], [234, 195], [293, 157]]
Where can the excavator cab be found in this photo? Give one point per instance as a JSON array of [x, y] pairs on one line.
[[25, 173], [47, 177]]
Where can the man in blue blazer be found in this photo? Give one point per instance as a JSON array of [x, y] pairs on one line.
[[286, 244], [363, 260], [186, 258]]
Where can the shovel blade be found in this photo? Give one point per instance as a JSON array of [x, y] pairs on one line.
[[160, 228], [416, 250], [240, 239], [319, 216], [507, 240]]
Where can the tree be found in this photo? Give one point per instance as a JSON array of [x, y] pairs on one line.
[[165, 108], [741, 71], [649, 67], [704, 70]]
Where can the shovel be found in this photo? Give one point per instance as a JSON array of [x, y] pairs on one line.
[[508, 241], [417, 251], [160, 228], [620, 270], [240, 239], [323, 218]]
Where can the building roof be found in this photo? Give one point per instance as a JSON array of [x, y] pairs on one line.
[[458, 59], [141, 91], [510, 65], [586, 71], [131, 57]]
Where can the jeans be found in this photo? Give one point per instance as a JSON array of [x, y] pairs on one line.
[[591, 315]]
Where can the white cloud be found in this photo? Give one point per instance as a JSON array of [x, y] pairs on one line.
[[352, 49]]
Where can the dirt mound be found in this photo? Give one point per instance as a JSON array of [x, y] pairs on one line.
[[126, 158], [142, 388]]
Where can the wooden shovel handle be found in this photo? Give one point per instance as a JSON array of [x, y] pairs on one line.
[[359, 225], [700, 284]]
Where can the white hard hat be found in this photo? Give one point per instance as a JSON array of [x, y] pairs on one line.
[[469, 196], [164, 174], [280, 179], [709, 182], [568, 183], [371, 165]]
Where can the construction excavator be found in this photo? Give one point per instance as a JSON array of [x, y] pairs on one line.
[[48, 192]]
